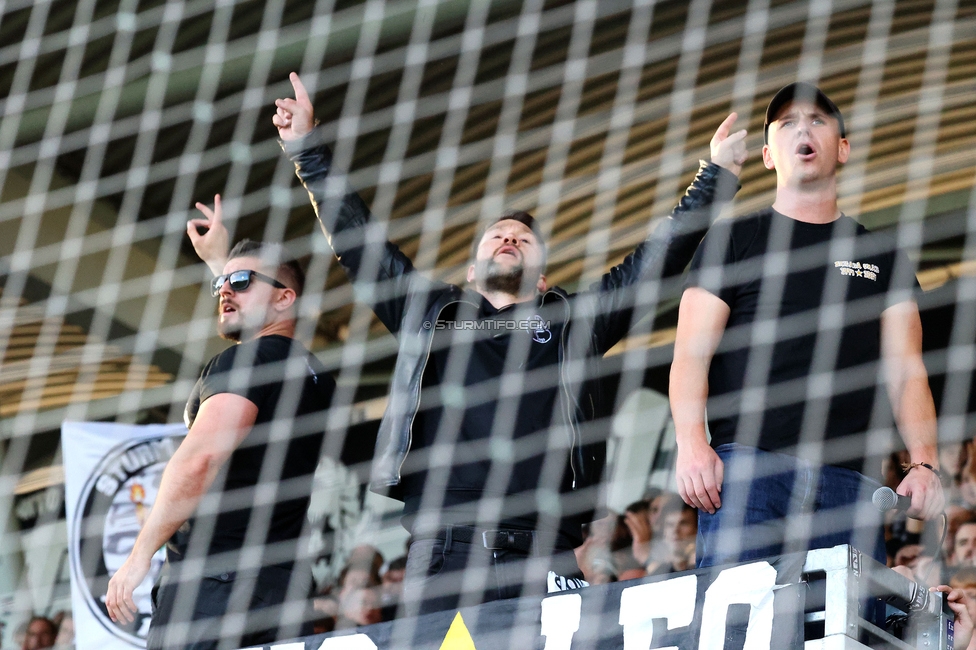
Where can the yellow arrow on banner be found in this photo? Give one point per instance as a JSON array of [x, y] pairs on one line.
[[458, 637]]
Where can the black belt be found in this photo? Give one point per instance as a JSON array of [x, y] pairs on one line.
[[493, 539]]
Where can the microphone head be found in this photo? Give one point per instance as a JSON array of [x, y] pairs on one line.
[[884, 499]]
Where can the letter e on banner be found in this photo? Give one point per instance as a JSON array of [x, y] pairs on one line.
[[560, 620], [672, 600], [348, 642], [750, 584]]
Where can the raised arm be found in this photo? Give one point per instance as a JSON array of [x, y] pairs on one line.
[[671, 245], [344, 216], [222, 423], [702, 317], [911, 399]]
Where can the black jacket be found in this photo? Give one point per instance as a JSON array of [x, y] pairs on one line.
[[409, 304]]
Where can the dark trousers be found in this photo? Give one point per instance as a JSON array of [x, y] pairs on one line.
[[191, 616], [444, 572]]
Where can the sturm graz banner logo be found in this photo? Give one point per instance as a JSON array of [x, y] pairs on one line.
[[110, 513]]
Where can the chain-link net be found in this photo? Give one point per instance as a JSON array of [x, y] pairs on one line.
[[118, 116]]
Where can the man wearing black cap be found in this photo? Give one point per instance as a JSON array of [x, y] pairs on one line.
[[493, 394], [790, 316]]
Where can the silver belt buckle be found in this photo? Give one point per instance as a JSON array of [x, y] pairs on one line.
[[493, 535], [484, 539]]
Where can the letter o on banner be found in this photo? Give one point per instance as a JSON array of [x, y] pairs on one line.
[[750, 584]]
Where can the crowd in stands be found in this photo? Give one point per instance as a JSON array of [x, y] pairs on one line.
[[653, 536], [366, 592], [656, 535]]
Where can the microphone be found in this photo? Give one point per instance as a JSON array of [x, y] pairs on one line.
[[886, 499]]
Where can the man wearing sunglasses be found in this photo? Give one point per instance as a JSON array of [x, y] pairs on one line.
[[236, 492]]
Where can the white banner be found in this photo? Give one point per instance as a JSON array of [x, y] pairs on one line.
[[111, 474]]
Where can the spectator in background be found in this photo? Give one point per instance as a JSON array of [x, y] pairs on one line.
[[680, 532], [637, 520], [966, 487], [952, 458], [956, 516], [964, 547], [40, 633], [663, 507], [358, 597], [364, 556], [965, 580], [362, 567]]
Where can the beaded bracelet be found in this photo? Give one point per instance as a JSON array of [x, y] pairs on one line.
[[907, 467]]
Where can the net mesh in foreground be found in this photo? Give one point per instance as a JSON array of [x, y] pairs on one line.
[[118, 116]]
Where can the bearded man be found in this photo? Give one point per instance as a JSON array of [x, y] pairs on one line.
[[495, 433]]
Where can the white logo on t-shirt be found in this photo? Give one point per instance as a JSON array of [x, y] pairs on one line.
[[858, 269]]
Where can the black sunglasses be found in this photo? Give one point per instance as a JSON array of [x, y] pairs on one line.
[[241, 280]]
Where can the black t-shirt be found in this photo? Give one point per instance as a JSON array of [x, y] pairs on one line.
[[495, 425], [292, 389], [799, 359]]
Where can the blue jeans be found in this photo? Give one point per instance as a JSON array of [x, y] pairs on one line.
[[774, 504]]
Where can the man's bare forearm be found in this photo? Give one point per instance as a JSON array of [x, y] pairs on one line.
[[688, 391], [915, 415], [184, 482], [907, 381]]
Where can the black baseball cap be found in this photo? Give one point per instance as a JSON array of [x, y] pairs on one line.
[[808, 92]]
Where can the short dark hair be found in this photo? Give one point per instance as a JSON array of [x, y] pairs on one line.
[[51, 625], [515, 215], [289, 271]]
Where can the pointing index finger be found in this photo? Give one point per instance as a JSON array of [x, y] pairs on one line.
[[723, 129], [301, 95]]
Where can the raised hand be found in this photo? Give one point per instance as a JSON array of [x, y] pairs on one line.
[[212, 246], [729, 151], [294, 117]]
